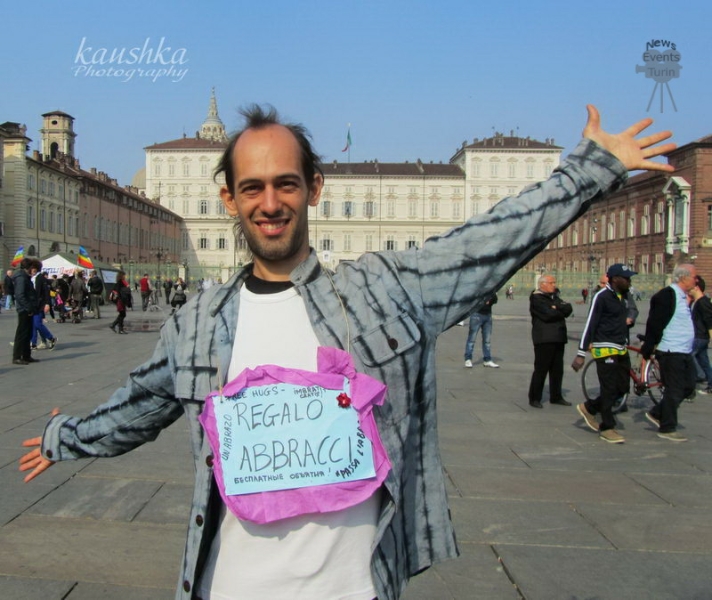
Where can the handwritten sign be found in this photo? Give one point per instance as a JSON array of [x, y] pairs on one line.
[[284, 436]]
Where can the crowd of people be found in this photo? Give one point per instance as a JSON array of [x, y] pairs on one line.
[[40, 299], [677, 333]]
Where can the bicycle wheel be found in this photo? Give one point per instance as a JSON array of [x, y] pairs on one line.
[[589, 381], [653, 382], [592, 388]]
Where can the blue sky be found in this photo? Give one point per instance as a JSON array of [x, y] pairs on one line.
[[415, 79]]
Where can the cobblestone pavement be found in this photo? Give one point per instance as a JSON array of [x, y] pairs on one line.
[[543, 509]]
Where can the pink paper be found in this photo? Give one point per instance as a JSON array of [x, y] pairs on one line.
[[264, 507]]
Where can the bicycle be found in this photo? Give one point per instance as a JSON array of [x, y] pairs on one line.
[[644, 373]]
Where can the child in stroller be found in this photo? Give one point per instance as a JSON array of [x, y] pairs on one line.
[[71, 309]]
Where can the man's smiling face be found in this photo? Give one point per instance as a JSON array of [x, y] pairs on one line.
[[272, 199]]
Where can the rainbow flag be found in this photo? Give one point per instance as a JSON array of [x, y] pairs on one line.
[[19, 255], [84, 260]]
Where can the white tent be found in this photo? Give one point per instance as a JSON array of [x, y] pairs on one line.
[[65, 262]]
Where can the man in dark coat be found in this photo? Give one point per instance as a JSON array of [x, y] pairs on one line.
[[26, 306], [549, 314]]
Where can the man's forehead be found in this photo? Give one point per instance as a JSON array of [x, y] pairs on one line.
[[268, 138]]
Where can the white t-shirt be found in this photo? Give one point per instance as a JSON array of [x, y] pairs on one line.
[[318, 556]]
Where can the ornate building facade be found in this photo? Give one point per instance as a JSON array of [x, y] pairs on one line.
[[364, 206], [50, 204]]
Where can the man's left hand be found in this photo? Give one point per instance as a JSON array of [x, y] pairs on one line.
[[633, 153]]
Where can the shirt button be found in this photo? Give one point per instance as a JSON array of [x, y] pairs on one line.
[[49, 454], [199, 520], [186, 585], [392, 343], [209, 461]]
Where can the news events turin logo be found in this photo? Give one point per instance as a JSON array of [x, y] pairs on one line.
[[662, 63]]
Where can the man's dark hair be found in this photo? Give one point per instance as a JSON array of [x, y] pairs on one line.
[[257, 117], [700, 283], [31, 262]]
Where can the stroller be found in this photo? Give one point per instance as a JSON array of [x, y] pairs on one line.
[[71, 309]]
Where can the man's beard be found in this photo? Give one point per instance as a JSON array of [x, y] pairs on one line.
[[270, 250]]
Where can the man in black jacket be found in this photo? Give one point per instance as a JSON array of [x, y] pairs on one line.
[[670, 334], [26, 306], [549, 335], [606, 336], [96, 290]]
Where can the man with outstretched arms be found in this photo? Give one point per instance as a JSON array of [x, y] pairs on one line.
[[287, 504]]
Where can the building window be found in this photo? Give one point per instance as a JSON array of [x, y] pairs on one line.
[[185, 240], [51, 222], [434, 209], [368, 242], [203, 170], [644, 224], [157, 170], [391, 209], [391, 243], [347, 242], [203, 190], [631, 226], [412, 242], [621, 223], [30, 181], [221, 210], [186, 170], [222, 243], [30, 217], [203, 207], [457, 210], [43, 219], [512, 170], [475, 168], [412, 208], [186, 207], [348, 209], [171, 170], [204, 243], [530, 170], [369, 209], [326, 208], [60, 223], [326, 243]]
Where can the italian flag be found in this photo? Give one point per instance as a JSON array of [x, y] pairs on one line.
[[348, 140]]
